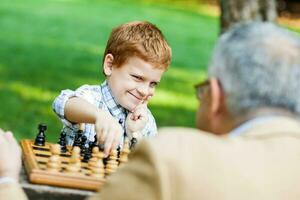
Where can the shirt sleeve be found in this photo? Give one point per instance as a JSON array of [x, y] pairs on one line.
[[91, 94], [150, 129]]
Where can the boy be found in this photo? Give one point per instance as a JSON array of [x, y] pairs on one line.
[[135, 58]]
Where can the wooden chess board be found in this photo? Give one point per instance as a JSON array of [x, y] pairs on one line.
[[35, 160]]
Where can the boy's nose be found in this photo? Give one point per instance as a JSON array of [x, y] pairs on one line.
[[143, 90]]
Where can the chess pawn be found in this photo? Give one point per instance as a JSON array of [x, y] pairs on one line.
[[54, 161], [74, 163], [75, 157], [112, 163], [62, 142], [93, 160], [124, 152], [98, 169]]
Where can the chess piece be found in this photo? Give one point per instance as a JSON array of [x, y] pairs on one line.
[[77, 140], [133, 142], [54, 162], [112, 163], [124, 152], [101, 147], [62, 142], [98, 169], [94, 158], [40, 138], [96, 165], [82, 145], [74, 164], [78, 137], [94, 143], [134, 139]]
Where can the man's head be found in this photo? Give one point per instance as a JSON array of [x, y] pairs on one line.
[[135, 58], [255, 67]]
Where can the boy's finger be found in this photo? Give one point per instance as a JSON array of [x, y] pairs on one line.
[[115, 143], [108, 142], [102, 136], [142, 103], [147, 99]]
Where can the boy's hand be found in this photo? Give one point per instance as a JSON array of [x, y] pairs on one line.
[[109, 131], [10, 156], [136, 121]]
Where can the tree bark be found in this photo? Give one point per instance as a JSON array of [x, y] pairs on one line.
[[235, 11]]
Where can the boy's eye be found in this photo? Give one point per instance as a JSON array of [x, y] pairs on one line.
[[137, 77], [153, 84]]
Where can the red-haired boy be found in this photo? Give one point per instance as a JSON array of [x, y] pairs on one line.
[[135, 58]]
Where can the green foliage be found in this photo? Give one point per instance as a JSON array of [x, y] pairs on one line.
[[50, 45]]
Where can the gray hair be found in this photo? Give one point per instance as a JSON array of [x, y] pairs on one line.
[[258, 65]]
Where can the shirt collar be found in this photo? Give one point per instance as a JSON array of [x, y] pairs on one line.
[[114, 108], [244, 127]]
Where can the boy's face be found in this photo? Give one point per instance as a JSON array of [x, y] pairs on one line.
[[133, 82]]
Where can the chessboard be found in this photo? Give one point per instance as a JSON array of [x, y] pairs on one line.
[[50, 164]]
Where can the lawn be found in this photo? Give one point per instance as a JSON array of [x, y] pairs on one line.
[[48, 45]]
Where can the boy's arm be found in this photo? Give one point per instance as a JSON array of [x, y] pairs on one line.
[[78, 110], [81, 106], [91, 94]]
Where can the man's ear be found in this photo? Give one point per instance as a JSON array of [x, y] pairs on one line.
[[217, 96], [108, 64]]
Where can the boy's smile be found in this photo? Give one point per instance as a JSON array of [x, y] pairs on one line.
[[133, 82]]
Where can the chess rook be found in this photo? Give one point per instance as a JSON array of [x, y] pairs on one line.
[[40, 138]]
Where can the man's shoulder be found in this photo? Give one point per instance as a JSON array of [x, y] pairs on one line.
[[182, 140], [189, 159], [178, 142]]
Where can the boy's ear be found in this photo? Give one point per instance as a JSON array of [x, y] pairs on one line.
[[108, 64]]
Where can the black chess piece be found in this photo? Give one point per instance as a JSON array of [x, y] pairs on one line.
[[77, 140], [82, 145], [87, 152], [41, 137], [119, 151], [94, 144], [87, 155], [133, 142], [101, 147], [62, 142]]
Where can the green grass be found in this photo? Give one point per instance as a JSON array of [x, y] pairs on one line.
[[47, 46]]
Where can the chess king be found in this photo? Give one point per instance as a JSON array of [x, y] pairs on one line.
[[135, 58]]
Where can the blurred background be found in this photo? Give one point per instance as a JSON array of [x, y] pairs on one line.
[[50, 45]]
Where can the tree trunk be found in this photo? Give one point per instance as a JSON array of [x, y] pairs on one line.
[[235, 11]]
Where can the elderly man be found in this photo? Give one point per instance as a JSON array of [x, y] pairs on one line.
[[251, 97]]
